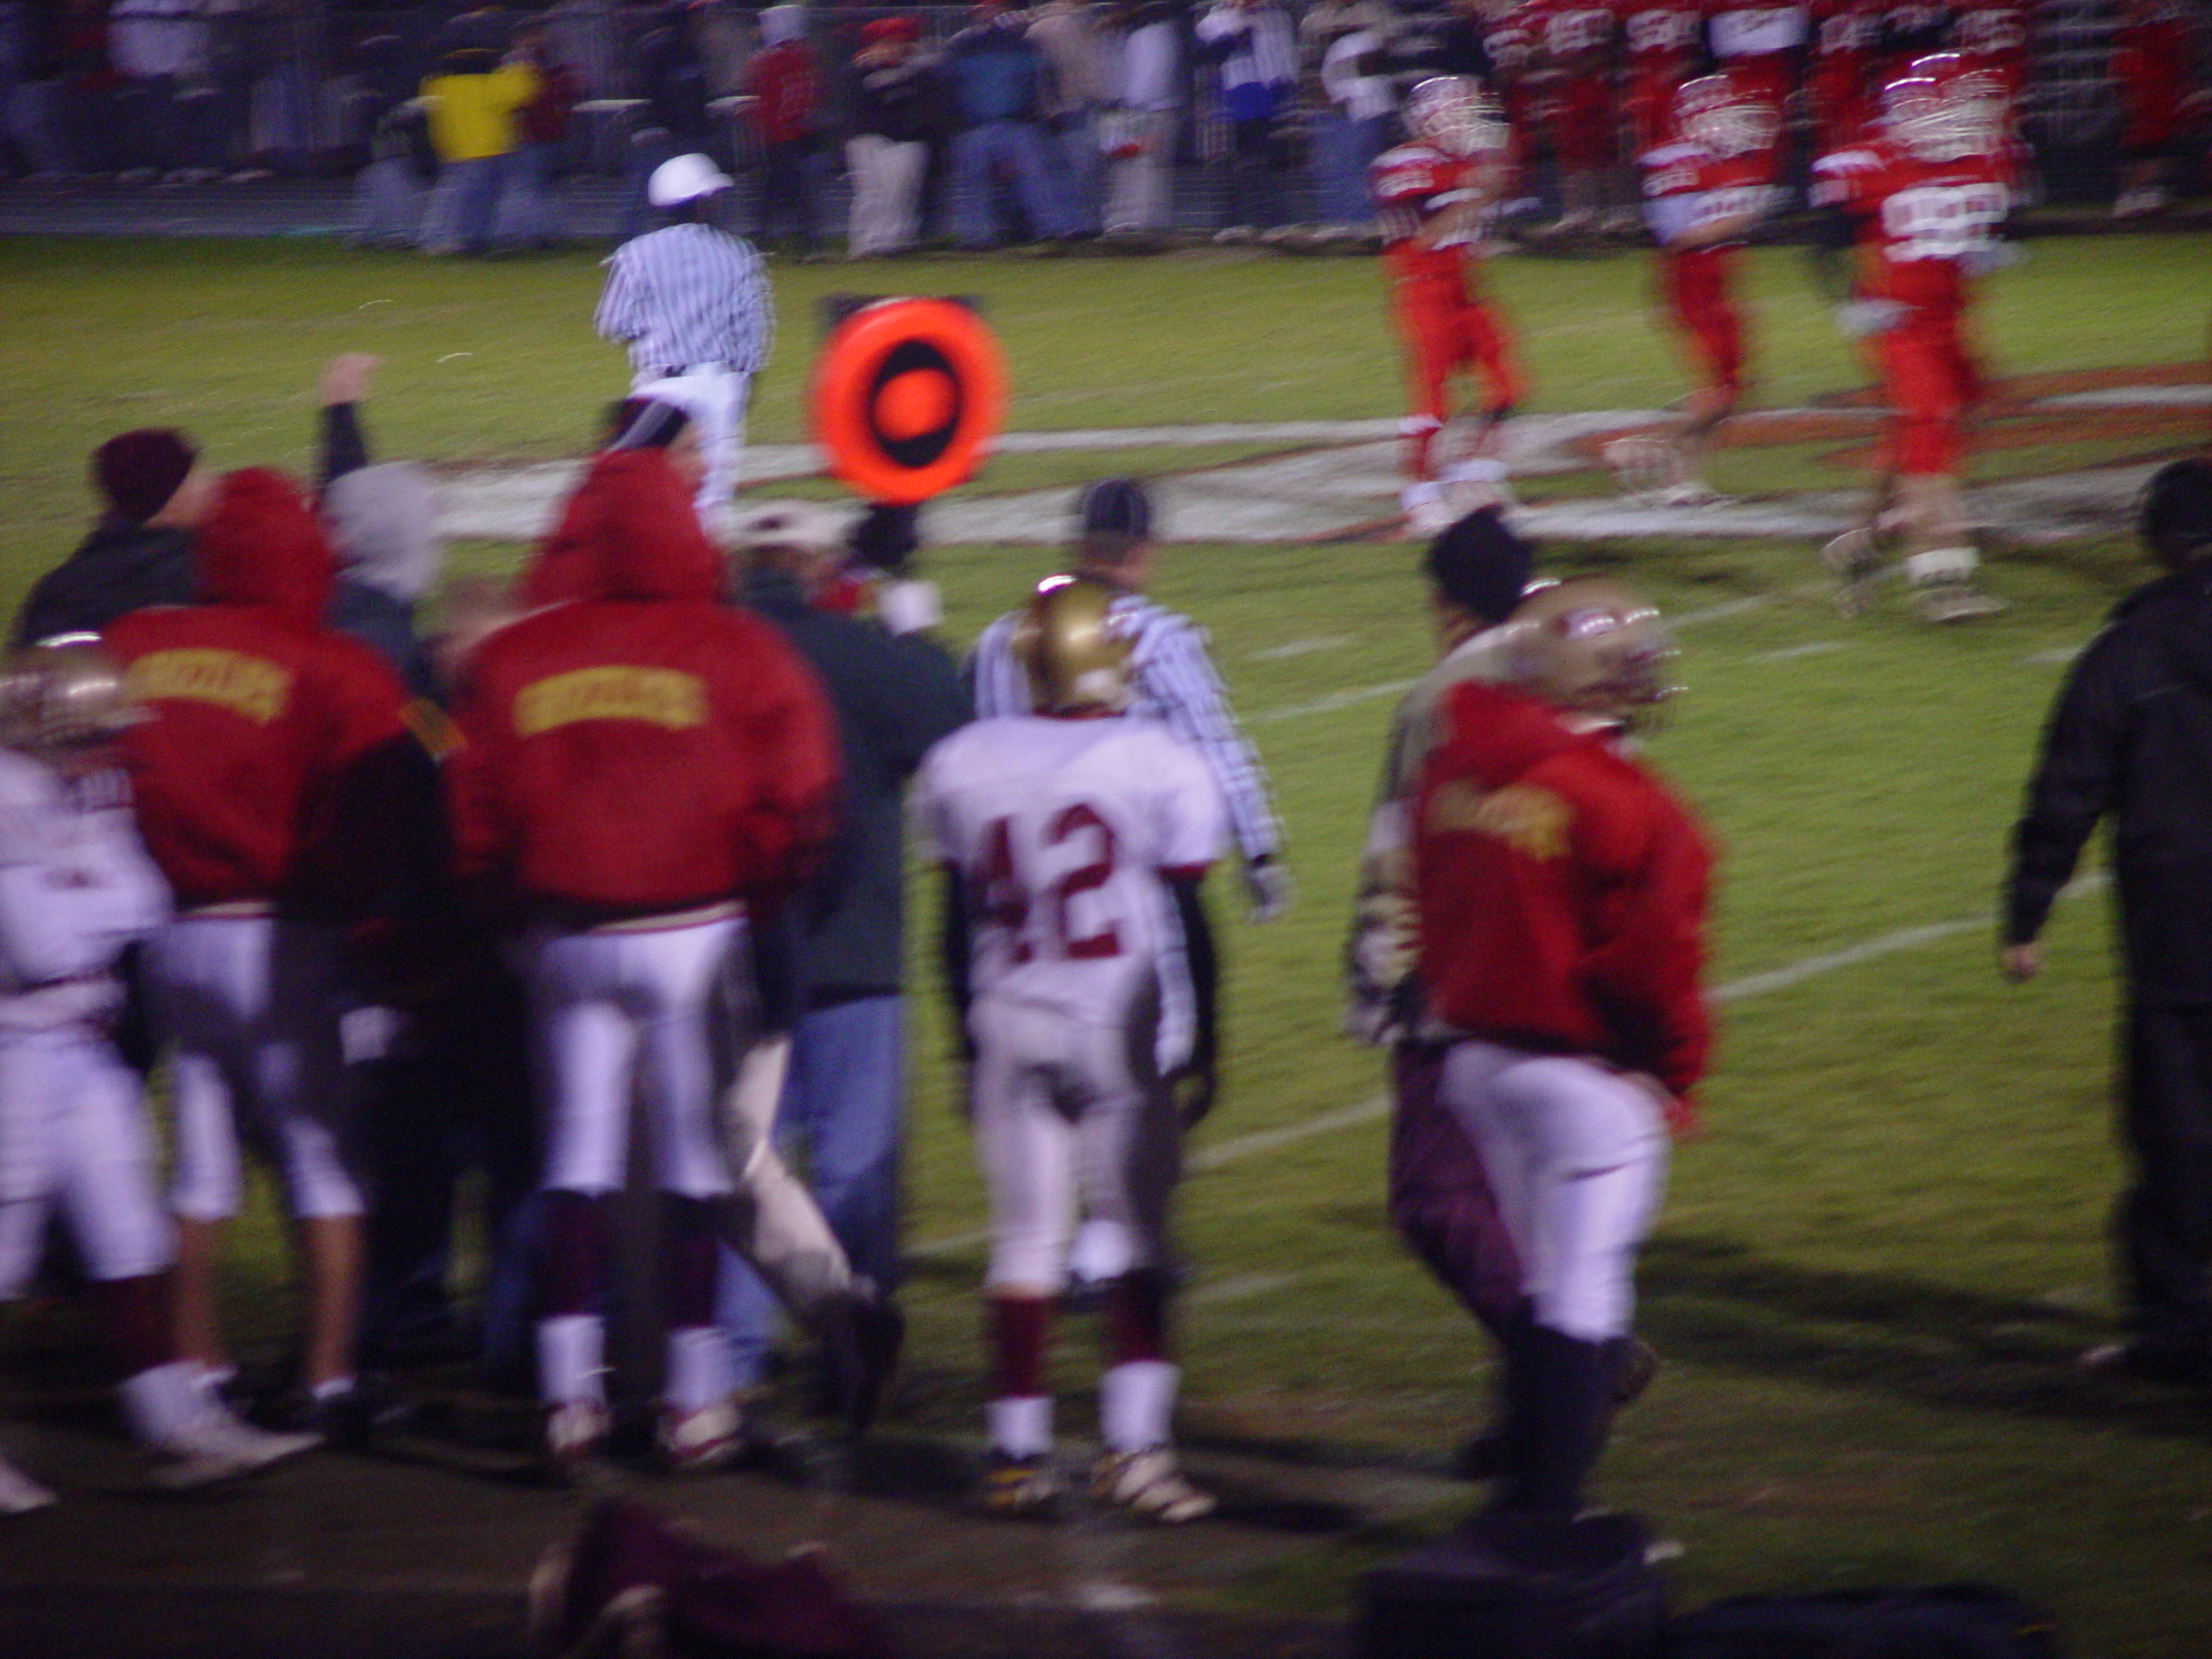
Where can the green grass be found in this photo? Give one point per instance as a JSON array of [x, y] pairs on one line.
[[1874, 1265]]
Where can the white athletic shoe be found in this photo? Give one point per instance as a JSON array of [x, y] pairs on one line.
[[214, 1446], [703, 1441], [576, 1430], [1149, 1485], [19, 1493], [1956, 600]]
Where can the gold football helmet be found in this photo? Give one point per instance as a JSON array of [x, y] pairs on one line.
[[1591, 647], [62, 694], [1076, 653]]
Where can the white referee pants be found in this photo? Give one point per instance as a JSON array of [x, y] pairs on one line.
[[1576, 1156], [661, 1015], [251, 1004], [73, 1136], [716, 400], [1068, 1116]]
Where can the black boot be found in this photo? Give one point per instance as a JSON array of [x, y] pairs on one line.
[[1559, 1402]]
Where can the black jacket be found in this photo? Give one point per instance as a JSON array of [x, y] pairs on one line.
[[122, 566], [894, 698], [2132, 738]]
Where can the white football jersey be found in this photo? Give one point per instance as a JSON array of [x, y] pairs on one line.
[[1062, 830], [75, 887]]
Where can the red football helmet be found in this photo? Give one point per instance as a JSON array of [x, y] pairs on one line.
[[1943, 108], [1725, 118], [1456, 114]]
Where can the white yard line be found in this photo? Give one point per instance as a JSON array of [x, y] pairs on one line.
[[1220, 1153]]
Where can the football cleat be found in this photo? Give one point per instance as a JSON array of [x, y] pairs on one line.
[[700, 1442], [576, 1433], [1020, 1489], [215, 1446], [1954, 600], [1854, 561], [1150, 1486], [19, 1493]]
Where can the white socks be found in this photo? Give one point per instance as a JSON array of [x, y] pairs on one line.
[[571, 1359], [1021, 1425], [1135, 1400], [1940, 565], [698, 1368]]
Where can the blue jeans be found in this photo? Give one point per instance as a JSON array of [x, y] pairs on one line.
[[843, 1105], [464, 209], [980, 152], [1078, 172]]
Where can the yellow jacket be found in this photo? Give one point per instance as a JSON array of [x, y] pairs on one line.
[[472, 116]]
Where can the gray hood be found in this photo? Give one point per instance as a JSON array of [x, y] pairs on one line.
[[384, 523]]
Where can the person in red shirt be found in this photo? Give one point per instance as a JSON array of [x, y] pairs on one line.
[[785, 88], [1704, 191], [1837, 89], [642, 765], [2153, 59], [1433, 193], [1659, 50], [1561, 894], [1572, 66], [1925, 201], [281, 792]]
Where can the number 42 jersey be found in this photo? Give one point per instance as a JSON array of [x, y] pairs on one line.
[[1064, 832]]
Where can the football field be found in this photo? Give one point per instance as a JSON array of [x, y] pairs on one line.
[[1875, 1267]]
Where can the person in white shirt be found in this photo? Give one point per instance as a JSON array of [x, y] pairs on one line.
[[76, 888], [1073, 843], [1142, 78]]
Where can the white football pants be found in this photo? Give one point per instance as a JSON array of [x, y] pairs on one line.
[[716, 399], [252, 1004], [666, 1013], [73, 1135], [1068, 1113], [1576, 1156]]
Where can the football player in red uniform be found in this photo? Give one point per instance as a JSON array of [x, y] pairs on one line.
[[1433, 193], [1659, 49], [1573, 65], [1926, 199], [2151, 62], [1704, 191]]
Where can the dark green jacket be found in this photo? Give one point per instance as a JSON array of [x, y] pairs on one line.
[[894, 698]]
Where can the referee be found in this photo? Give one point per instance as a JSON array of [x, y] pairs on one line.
[[692, 304], [1175, 682]]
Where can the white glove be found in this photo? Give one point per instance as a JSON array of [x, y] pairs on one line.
[[906, 605], [1857, 318], [1266, 880]]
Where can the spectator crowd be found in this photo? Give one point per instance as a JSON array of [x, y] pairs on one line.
[[1004, 123]]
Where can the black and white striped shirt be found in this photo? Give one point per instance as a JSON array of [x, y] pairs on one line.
[[1173, 681], [687, 297]]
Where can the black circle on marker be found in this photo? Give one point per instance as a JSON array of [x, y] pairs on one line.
[[923, 447]]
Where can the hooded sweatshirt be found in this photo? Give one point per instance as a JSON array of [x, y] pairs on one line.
[[1562, 892], [121, 567], [2131, 737], [270, 772], [644, 749]]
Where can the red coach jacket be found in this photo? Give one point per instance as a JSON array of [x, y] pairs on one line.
[[1561, 893], [279, 762], [644, 748]]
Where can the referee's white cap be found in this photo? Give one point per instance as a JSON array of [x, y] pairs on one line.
[[684, 178]]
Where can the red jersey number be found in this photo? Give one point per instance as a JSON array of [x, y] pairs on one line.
[[1000, 895]]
